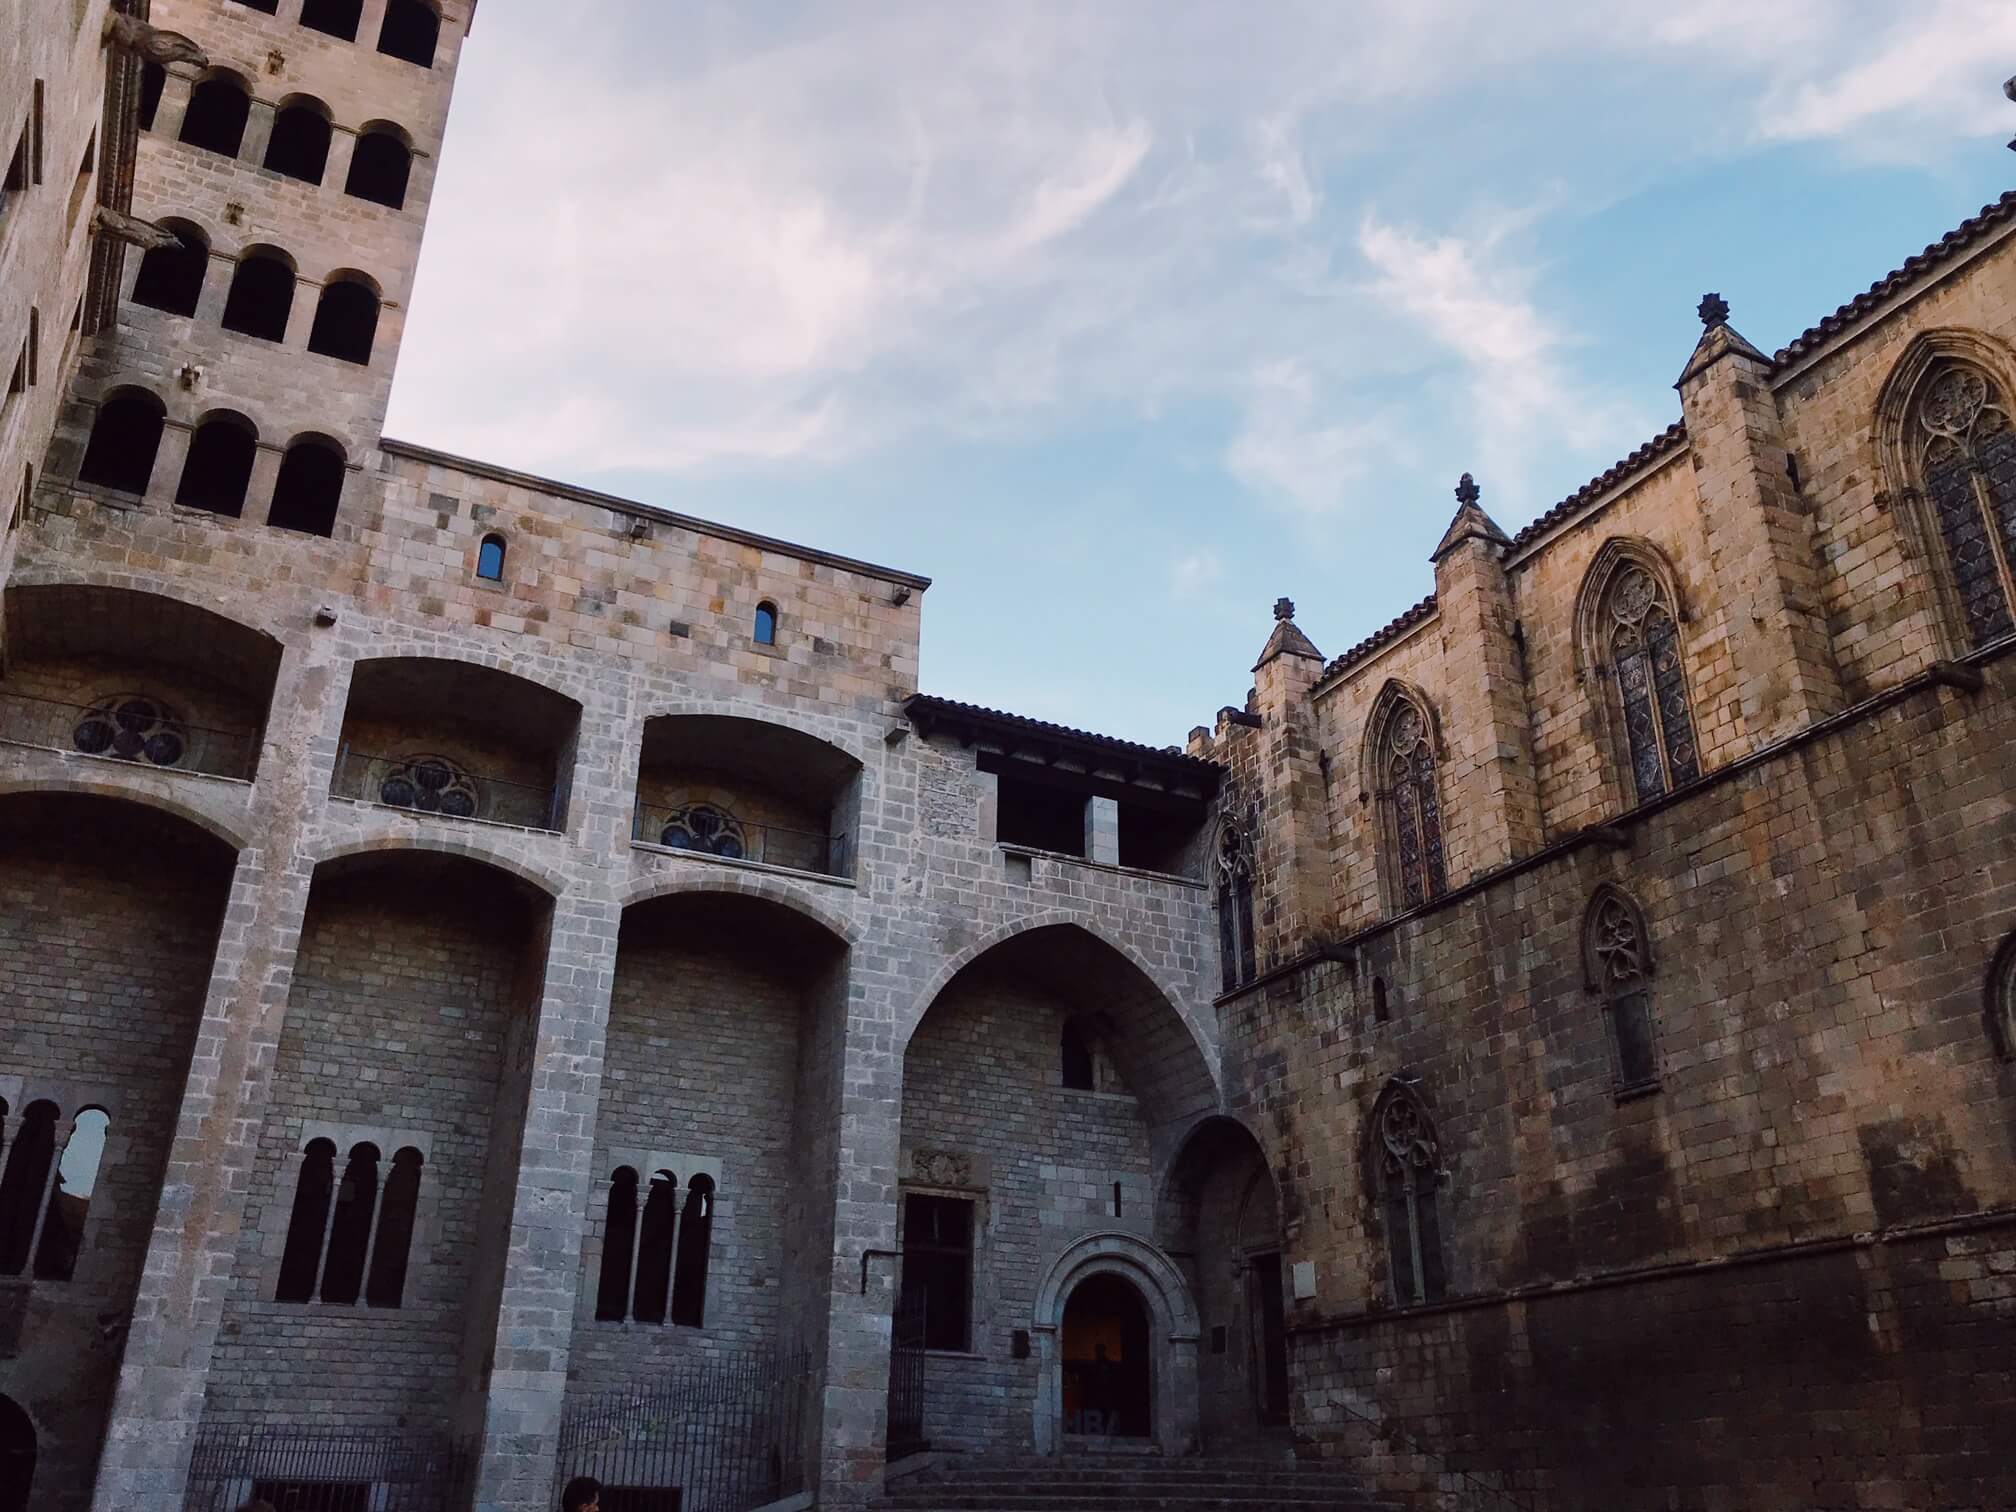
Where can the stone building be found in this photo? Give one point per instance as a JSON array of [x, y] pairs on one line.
[[503, 981]]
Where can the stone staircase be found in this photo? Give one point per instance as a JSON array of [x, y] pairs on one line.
[[1127, 1483]]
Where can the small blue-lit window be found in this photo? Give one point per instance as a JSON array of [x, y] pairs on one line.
[[766, 624], [490, 559]]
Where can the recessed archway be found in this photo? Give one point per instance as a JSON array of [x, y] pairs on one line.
[[1108, 1376], [17, 1456]]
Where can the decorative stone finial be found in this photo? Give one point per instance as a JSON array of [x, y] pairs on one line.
[[1284, 609], [1713, 310], [1467, 491]]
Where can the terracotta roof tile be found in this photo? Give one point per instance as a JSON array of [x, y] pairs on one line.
[[933, 710], [1658, 446], [1407, 620]]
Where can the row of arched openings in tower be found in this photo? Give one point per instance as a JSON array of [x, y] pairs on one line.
[[217, 474], [410, 32], [352, 1236], [654, 1254], [220, 109], [260, 300], [42, 1219]]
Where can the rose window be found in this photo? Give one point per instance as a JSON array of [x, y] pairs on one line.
[[431, 785], [704, 828], [132, 727]]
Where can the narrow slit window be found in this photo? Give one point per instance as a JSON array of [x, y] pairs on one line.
[[25, 1179], [619, 1240], [392, 1246], [301, 1260], [1076, 1053], [350, 1227], [696, 1233], [654, 1249]]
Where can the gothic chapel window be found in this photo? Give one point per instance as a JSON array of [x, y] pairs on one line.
[[1966, 451], [1641, 645], [1617, 966], [1407, 777], [1406, 1170], [1238, 962]]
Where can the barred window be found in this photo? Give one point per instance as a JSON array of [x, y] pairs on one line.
[[1406, 1170], [1966, 451], [1617, 967], [1642, 650]]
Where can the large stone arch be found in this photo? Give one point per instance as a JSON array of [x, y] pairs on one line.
[[468, 845], [696, 878], [115, 785], [1174, 1331]]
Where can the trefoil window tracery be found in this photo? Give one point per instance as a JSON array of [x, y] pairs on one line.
[[706, 828], [132, 727], [1407, 777], [1617, 967], [1643, 650], [433, 785], [1406, 1171]]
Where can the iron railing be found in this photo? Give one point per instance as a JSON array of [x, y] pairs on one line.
[[297, 1469], [130, 727], [906, 1383], [704, 830], [722, 1434], [428, 783]]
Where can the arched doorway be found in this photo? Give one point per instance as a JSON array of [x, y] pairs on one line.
[[1107, 1374], [17, 1456]]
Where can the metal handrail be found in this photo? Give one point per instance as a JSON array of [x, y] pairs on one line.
[[424, 782], [114, 729], [744, 840]]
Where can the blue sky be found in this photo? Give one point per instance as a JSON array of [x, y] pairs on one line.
[[1121, 321]]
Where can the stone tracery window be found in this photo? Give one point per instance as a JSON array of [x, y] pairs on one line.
[[133, 727], [433, 785], [1965, 448], [1406, 1170], [1405, 775], [1237, 955], [1617, 966], [706, 828], [1641, 647]]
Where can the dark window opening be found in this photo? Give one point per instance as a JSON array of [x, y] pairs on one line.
[[1238, 960], [336, 18], [346, 322], [381, 166], [22, 1185], [1631, 1023], [218, 110], [219, 468], [938, 1269], [171, 278], [302, 1257], [1617, 965], [392, 1247], [766, 624], [153, 79], [124, 439], [313, 1495], [270, 7], [1407, 1171], [1154, 839], [62, 1238], [654, 1249], [619, 1238], [299, 146], [1079, 1070], [410, 32], [490, 559], [16, 179], [1381, 1010], [1041, 817], [17, 1456], [639, 1499], [261, 297], [350, 1228], [309, 489], [696, 1231], [1118, 1204]]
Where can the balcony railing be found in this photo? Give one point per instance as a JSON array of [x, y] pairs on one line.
[[427, 783], [705, 829], [131, 727], [303, 1469]]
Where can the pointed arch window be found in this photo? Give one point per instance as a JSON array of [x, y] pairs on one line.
[[1640, 645], [1406, 1171], [2002, 999], [1406, 778], [1238, 959], [1617, 967], [1966, 453]]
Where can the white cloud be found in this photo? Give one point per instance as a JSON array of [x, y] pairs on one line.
[[1194, 572], [1292, 445]]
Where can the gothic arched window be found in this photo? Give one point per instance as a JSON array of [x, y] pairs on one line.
[[696, 1232], [1637, 641], [1406, 1170], [1966, 453], [1617, 967], [1404, 780], [2002, 999], [1238, 961]]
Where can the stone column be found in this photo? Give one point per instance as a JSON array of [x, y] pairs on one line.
[[169, 459], [342, 148], [1486, 726], [1760, 537], [175, 91], [1102, 830], [180, 1301], [258, 133], [265, 477]]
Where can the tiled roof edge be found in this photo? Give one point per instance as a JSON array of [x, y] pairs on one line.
[[1406, 620], [930, 705], [1674, 435]]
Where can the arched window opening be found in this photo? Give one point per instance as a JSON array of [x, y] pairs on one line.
[[1617, 967], [302, 1258], [1966, 451], [346, 322], [25, 1180], [219, 468], [1238, 961], [1642, 650], [619, 1241], [696, 1232], [299, 146], [490, 559], [1407, 790], [350, 1228], [309, 490], [1406, 1170], [17, 1456], [410, 32], [62, 1238], [261, 297], [336, 18], [2002, 999], [153, 80], [124, 439], [398, 1213], [381, 167], [171, 278], [1382, 1011], [270, 7], [766, 624], [218, 110], [1079, 1071], [654, 1248]]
